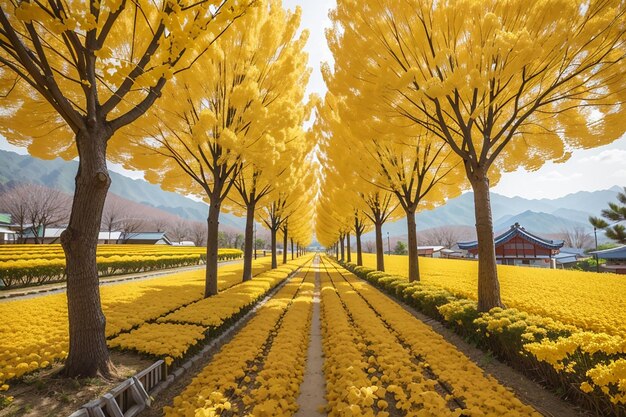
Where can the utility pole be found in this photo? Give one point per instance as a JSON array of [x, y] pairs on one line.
[[595, 234]]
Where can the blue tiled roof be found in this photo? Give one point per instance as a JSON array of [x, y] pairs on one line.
[[615, 253], [516, 230]]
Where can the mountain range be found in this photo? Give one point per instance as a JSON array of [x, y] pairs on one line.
[[544, 216], [59, 174]]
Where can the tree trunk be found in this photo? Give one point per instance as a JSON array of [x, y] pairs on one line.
[[292, 256], [414, 270], [380, 251], [359, 253], [285, 242], [211, 248], [488, 285], [348, 247], [273, 232], [337, 250], [248, 243], [88, 354], [342, 248]]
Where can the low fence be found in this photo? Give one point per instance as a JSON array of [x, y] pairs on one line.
[[128, 398]]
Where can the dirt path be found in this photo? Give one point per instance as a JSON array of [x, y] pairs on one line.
[[31, 292], [313, 387]]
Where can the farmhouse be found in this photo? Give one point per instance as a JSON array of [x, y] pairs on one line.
[[517, 246], [615, 259]]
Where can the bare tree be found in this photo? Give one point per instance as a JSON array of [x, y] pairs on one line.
[[446, 236], [15, 202], [577, 237], [130, 226], [369, 246], [37, 207], [159, 224], [112, 215], [198, 234], [179, 231]]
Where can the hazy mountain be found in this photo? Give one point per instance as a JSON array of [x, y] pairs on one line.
[[537, 215], [541, 216], [59, 174], [538, 222]]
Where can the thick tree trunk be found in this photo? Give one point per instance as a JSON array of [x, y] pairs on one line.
[[88, 354], [380, 251], [348, 250], [211, 248], [359, 252], [488, 284], [414, 270], [248, 245], [273, 232], [285, 242]]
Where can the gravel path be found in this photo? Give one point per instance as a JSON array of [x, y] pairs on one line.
[[313, 387]]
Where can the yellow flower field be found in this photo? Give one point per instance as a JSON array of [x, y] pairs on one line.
[[33, 340], [409, 368], [590, 301], [176, 332], [240, 377]]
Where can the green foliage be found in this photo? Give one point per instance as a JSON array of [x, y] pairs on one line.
[[400, 248], [614, 214]]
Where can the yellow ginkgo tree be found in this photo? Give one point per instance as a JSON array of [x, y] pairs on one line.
[[505, 84], [73, 74], [231, 110]]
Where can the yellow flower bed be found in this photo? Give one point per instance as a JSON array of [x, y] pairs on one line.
[[21, 266], [35, 330], [229, 382], [161, 339], [587, 300], [201, 316], [411, 368]]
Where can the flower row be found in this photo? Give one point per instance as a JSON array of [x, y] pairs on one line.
[[37, 271], [175, 333], [588, 366], [260, 370], [415, 370]]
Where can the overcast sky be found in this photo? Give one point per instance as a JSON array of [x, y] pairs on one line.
[[588, 170]]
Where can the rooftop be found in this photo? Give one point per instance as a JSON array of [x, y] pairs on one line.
[[615, 253], [517, 230]]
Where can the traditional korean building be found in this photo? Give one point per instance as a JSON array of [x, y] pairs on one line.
[[517, 246], [615, 259]]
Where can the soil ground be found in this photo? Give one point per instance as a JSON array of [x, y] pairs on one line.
[[42, 394]]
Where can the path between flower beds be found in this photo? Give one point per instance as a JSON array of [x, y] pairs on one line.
[[313, 388], [38, 291], [311, 399]]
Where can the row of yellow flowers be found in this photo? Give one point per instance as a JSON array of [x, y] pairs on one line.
[[34, 269], [587, 365], [173, 334], [260, 370], [34, 340], [415, 370], [55, 251]]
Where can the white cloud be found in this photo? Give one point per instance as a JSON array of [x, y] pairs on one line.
[[556, 176], [607, 157]]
